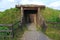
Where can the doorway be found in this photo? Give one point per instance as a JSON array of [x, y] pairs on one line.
[[30, 16]]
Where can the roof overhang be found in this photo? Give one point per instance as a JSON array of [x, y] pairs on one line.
[[41, 6]]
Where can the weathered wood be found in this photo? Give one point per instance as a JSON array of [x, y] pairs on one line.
[[16, 23], [12, 32], [6, 24], [5, 30], [21, 13], [42, 6], [30, 8], [12, 28]]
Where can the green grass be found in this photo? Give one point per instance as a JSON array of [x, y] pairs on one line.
[[53, 32], [52, 15], [11, 16], [4, 33], [20, 32]]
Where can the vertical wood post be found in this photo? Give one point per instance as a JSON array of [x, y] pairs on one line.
[[38, 17], [12, 32], [21, 13]]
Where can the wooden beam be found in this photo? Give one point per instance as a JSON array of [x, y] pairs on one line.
[[5, 30], [30, 8], [6, 24]]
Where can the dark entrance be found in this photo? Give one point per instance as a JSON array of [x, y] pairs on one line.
[[29, 15]]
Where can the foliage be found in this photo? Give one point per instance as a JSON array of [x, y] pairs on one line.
[[2, 34], [51, 15], [10, 15], [53, 32]]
